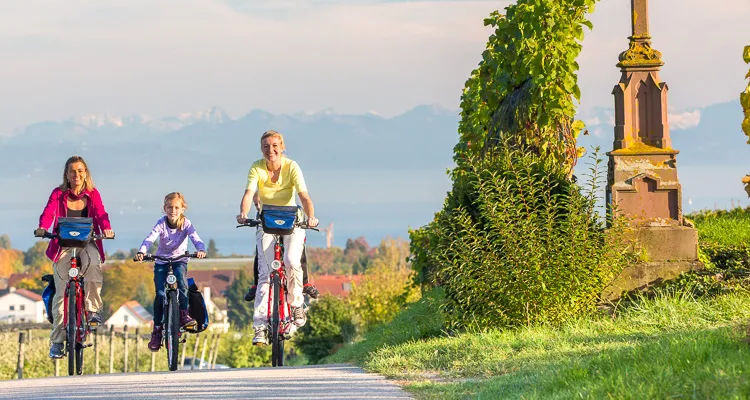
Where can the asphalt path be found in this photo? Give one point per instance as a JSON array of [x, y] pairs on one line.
[[334, 381]]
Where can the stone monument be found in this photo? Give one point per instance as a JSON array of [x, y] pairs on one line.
[[642, 183]]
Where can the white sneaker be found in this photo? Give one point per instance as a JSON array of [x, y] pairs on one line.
[[299, 316], [260, 336]]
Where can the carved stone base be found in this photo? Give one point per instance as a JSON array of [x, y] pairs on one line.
[[670, 251]]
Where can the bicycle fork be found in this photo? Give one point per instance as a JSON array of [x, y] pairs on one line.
[[76, 285]]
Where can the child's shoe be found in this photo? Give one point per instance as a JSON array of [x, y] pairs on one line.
[[187, 322], [155, 343]]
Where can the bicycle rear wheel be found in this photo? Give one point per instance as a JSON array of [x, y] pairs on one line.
[[277, 344], [172, 329], [70, 329]]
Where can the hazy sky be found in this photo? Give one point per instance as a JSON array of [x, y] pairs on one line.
[[74, 57]]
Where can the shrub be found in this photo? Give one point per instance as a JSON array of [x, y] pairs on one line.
[[329, 326], [518, 243]]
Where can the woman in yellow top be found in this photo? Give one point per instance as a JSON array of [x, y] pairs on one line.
[[277, 179]]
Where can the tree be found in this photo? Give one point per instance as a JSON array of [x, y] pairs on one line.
[[239, 311], [122, 282], [5, 242], [745, 101], [330, 325], [145, 297], [36, 257], [523, 92], [212, 251], [386, 286], [11, 262]]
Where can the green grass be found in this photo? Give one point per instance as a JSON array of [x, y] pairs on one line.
[[420, 320], [724, 227], [668, 347]]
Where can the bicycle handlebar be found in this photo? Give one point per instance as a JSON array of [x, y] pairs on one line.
[[255, 222], [49, 235], [154, 257]]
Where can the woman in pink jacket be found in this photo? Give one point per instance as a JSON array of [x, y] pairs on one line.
[[75, 197]]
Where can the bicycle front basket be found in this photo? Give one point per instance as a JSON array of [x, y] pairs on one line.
[[75, 232], [278, 220]]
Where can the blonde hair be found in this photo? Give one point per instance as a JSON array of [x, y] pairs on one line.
[[88, 183], [181, 198], [272, 133]]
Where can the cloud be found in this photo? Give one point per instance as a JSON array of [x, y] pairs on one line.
[[141, 56], [684, 120]]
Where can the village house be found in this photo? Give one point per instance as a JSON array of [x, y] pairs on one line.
[[21, 305], [130, 314]]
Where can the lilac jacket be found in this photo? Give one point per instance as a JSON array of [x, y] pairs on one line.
[[172, 242]]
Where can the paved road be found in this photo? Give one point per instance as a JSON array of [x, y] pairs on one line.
[[337, 381]]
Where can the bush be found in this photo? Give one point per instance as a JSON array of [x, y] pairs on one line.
[[517, 243], [329, 326], [385, 288]]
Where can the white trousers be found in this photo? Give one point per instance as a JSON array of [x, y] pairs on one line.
[[293, 247]]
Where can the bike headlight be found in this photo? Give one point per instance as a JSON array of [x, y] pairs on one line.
[[276, 264], [73, 272], [171, 279]]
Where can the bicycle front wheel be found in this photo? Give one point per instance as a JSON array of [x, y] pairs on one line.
[[172, 334], [70, 329], [277, 343]]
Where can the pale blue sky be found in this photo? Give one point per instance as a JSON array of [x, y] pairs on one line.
[[75, 57]]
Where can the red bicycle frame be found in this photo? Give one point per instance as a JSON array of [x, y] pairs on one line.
[[285, 308], [75, 283]]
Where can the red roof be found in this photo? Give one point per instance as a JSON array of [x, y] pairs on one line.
[[219, 280], [336, 285], [13, 279], [28, 294]]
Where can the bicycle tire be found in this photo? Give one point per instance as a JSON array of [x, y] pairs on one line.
[[277, 356], [172, 337], [70, 329], [79, 359]]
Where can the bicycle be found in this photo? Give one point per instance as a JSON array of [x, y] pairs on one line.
[[77, 327], [278, 322], [172, 329]]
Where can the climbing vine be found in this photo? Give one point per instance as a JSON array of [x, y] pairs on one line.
[[745, 101], [524, 91]]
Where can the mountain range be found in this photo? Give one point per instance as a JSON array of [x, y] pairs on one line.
[[369, 175]]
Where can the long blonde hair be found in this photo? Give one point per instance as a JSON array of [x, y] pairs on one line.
[[88, 183], [181, 198]]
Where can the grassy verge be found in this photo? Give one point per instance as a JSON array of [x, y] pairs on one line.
[[667, 347]]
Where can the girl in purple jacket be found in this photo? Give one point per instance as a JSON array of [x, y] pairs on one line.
[[172, 230]]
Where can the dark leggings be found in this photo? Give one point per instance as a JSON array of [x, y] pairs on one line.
[[304, 267]]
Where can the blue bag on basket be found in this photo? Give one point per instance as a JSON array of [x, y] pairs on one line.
[[197, 307], [47, 295], [278, 220], [75, 232]]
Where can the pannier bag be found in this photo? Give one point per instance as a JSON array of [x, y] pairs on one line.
[[278, 220], [48, 294], [197, 307], [75, 232]]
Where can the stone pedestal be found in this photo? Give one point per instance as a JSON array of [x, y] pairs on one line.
[[642, 182], [670, 251]]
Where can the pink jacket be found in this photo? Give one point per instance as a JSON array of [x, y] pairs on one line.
[[57, 206]]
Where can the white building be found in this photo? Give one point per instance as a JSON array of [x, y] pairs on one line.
[[217, 318], [21, 305], [131, 314]]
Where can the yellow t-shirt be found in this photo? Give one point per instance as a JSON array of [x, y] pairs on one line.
[[282, 192]]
